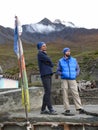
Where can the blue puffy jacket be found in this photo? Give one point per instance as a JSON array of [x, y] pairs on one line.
[[68, 68], [45, 64]]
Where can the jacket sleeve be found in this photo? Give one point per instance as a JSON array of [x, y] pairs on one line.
[[58, 71], [77, 69]]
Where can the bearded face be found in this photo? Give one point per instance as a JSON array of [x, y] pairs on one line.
[[67, 54]]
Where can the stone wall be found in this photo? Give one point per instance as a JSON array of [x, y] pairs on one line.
[[11, 100], [88, 96], [88, 90]]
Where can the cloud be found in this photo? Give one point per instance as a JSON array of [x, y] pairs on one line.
[[40, 28]]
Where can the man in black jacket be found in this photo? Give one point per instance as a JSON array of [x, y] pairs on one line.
[[45, 67]]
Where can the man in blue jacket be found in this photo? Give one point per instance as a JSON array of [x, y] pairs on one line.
[[45, 67], [68, 69]]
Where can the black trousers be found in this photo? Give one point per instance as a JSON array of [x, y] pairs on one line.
[[47, 82]]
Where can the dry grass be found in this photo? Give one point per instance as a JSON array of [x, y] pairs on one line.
[[86, 46]]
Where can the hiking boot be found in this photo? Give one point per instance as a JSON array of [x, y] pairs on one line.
[[81, 111], [66, 112], [53, 112], [44, 112]]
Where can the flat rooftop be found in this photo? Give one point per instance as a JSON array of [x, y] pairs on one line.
[[35, 116]]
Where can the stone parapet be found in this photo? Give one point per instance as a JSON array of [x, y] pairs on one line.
[[11, 100]]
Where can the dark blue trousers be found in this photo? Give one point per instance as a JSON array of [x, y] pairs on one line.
[[47, 82]]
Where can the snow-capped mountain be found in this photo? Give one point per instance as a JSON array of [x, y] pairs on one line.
[[46, 26], [40, 28], [47, 31]]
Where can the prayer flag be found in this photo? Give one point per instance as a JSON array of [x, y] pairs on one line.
[[18, 49]]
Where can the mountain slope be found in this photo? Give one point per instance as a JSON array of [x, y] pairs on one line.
[[47, 31]]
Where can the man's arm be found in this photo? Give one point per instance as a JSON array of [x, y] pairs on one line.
[[45, 59], [58, 71], [77, 69]]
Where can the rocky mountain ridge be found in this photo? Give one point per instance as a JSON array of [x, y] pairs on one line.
[[47, 31]]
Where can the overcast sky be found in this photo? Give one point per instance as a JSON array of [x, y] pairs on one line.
[[83, 13]]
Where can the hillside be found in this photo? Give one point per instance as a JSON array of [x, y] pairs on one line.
[[47, 31], [82, 42], [85, 49]]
